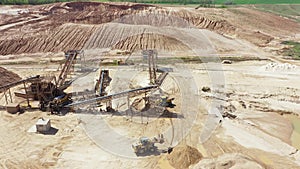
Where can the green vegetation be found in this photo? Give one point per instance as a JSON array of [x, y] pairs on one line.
[[258, 1], [287, 10], [293, 51]]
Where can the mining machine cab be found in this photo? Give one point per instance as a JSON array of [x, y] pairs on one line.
[[58, 103], [146, 144]]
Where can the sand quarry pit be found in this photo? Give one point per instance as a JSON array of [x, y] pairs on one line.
[[247, 118]]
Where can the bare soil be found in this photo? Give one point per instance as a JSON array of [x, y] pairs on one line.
[[8, 76], [183, 156], [47, 28], [256, 101]]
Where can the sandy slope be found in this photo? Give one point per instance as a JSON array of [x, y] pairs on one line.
[[44, 28]]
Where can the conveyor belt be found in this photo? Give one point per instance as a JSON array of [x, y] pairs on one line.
[[3, 88], [66, 68], [131, 92]]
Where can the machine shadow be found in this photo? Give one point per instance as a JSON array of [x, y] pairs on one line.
[[150, 113]]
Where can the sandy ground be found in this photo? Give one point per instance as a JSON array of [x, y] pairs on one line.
[[259, 102], [260, 131]]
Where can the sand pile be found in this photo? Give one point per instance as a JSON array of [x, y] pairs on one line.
[[226, 161], [184, 156], [72, 25], [8, 77], [138, 37], [65, 37]]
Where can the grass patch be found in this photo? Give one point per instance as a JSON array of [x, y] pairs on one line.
[[288, 10], [293, 51], [258, 1]]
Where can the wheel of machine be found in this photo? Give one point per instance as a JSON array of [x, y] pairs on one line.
[[42, 107]]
